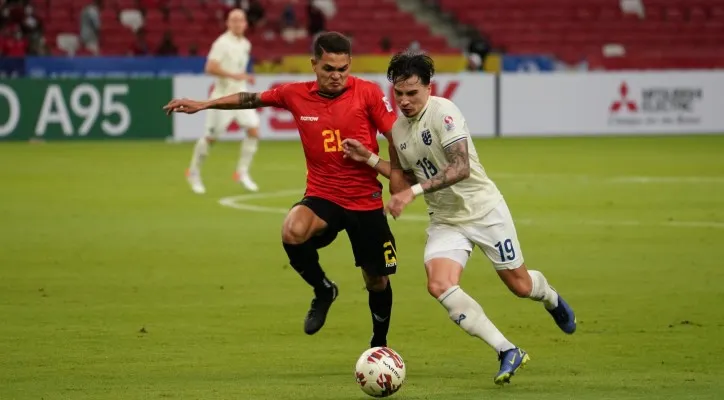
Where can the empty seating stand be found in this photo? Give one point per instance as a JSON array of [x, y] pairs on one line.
[[671, 33], [195, 24]]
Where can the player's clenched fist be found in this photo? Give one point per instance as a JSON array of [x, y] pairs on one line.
[[398, 202], [355, 150], [185, 106]]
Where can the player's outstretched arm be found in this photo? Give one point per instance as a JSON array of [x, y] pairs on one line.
[[457, 169], [236, 101]]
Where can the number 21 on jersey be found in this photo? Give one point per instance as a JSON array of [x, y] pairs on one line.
[[332, 140]]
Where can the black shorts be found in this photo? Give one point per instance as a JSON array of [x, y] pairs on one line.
[[373, 244]]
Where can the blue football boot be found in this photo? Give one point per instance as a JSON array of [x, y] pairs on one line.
[[510, 361], [564, 316]]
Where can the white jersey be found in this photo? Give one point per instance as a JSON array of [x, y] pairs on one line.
[[233, 54], [421, 143]]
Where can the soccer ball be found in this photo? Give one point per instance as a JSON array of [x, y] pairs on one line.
[[380, 372]]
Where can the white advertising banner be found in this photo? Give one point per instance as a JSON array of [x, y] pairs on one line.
[[473, 93], [578, 104]]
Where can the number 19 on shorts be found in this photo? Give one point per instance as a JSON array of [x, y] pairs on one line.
[[506, 250]]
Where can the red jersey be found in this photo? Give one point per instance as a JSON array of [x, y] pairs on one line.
[[323, 123]]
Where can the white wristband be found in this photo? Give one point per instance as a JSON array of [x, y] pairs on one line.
[[417, 189], [373, 160]]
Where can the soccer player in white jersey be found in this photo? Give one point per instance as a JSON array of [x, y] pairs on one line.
[[228, 61], [432, 154]]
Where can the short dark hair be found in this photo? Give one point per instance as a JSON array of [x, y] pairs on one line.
[[409, 63], [331, 42]]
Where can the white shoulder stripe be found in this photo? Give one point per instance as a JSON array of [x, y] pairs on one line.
[[455, 141]]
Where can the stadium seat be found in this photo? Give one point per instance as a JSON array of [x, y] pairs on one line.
[[575, 30], [367, 21], [68, 42], [131, 18]]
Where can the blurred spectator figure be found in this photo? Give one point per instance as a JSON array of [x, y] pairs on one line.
[[15, 45], [11, 12], [167, 46], [32, 28], [316, 22], [31, 24], [385, 46], [289, 17], [414, 46], [254, 13], [288, 23], [90, 26], [253, 8], [478, 46], [475, 63], [4, 13], [140, 46]]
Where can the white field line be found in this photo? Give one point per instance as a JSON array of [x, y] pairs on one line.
[[239, 203]]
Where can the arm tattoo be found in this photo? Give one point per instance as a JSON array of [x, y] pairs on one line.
[[457, 169], [249, 100], [243, 101]]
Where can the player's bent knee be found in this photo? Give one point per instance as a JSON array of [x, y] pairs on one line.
[[436, 287], [300, 225], [295, 232]]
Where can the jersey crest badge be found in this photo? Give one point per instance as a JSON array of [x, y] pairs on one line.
[[448, 123], [426, 137]]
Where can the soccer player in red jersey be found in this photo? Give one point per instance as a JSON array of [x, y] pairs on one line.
[[341, 194]]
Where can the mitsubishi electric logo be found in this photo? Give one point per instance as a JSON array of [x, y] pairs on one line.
[[661, 105], [623, 101]]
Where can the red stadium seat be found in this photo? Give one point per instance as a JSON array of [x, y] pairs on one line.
[[575, 30], [197, 23]]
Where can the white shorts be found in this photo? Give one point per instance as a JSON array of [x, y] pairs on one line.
[[218, 120], [494, 234]]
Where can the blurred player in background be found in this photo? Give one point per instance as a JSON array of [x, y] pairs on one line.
[[228, 61], [433, 154], [341, 194]]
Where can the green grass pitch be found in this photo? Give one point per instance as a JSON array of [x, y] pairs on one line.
[[116, 282]]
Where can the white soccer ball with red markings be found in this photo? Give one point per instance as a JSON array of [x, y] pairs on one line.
[[380, 372]]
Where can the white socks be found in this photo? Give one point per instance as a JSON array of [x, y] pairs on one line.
[[541, 291], [248, 148], [468, 314], [201, 150]]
